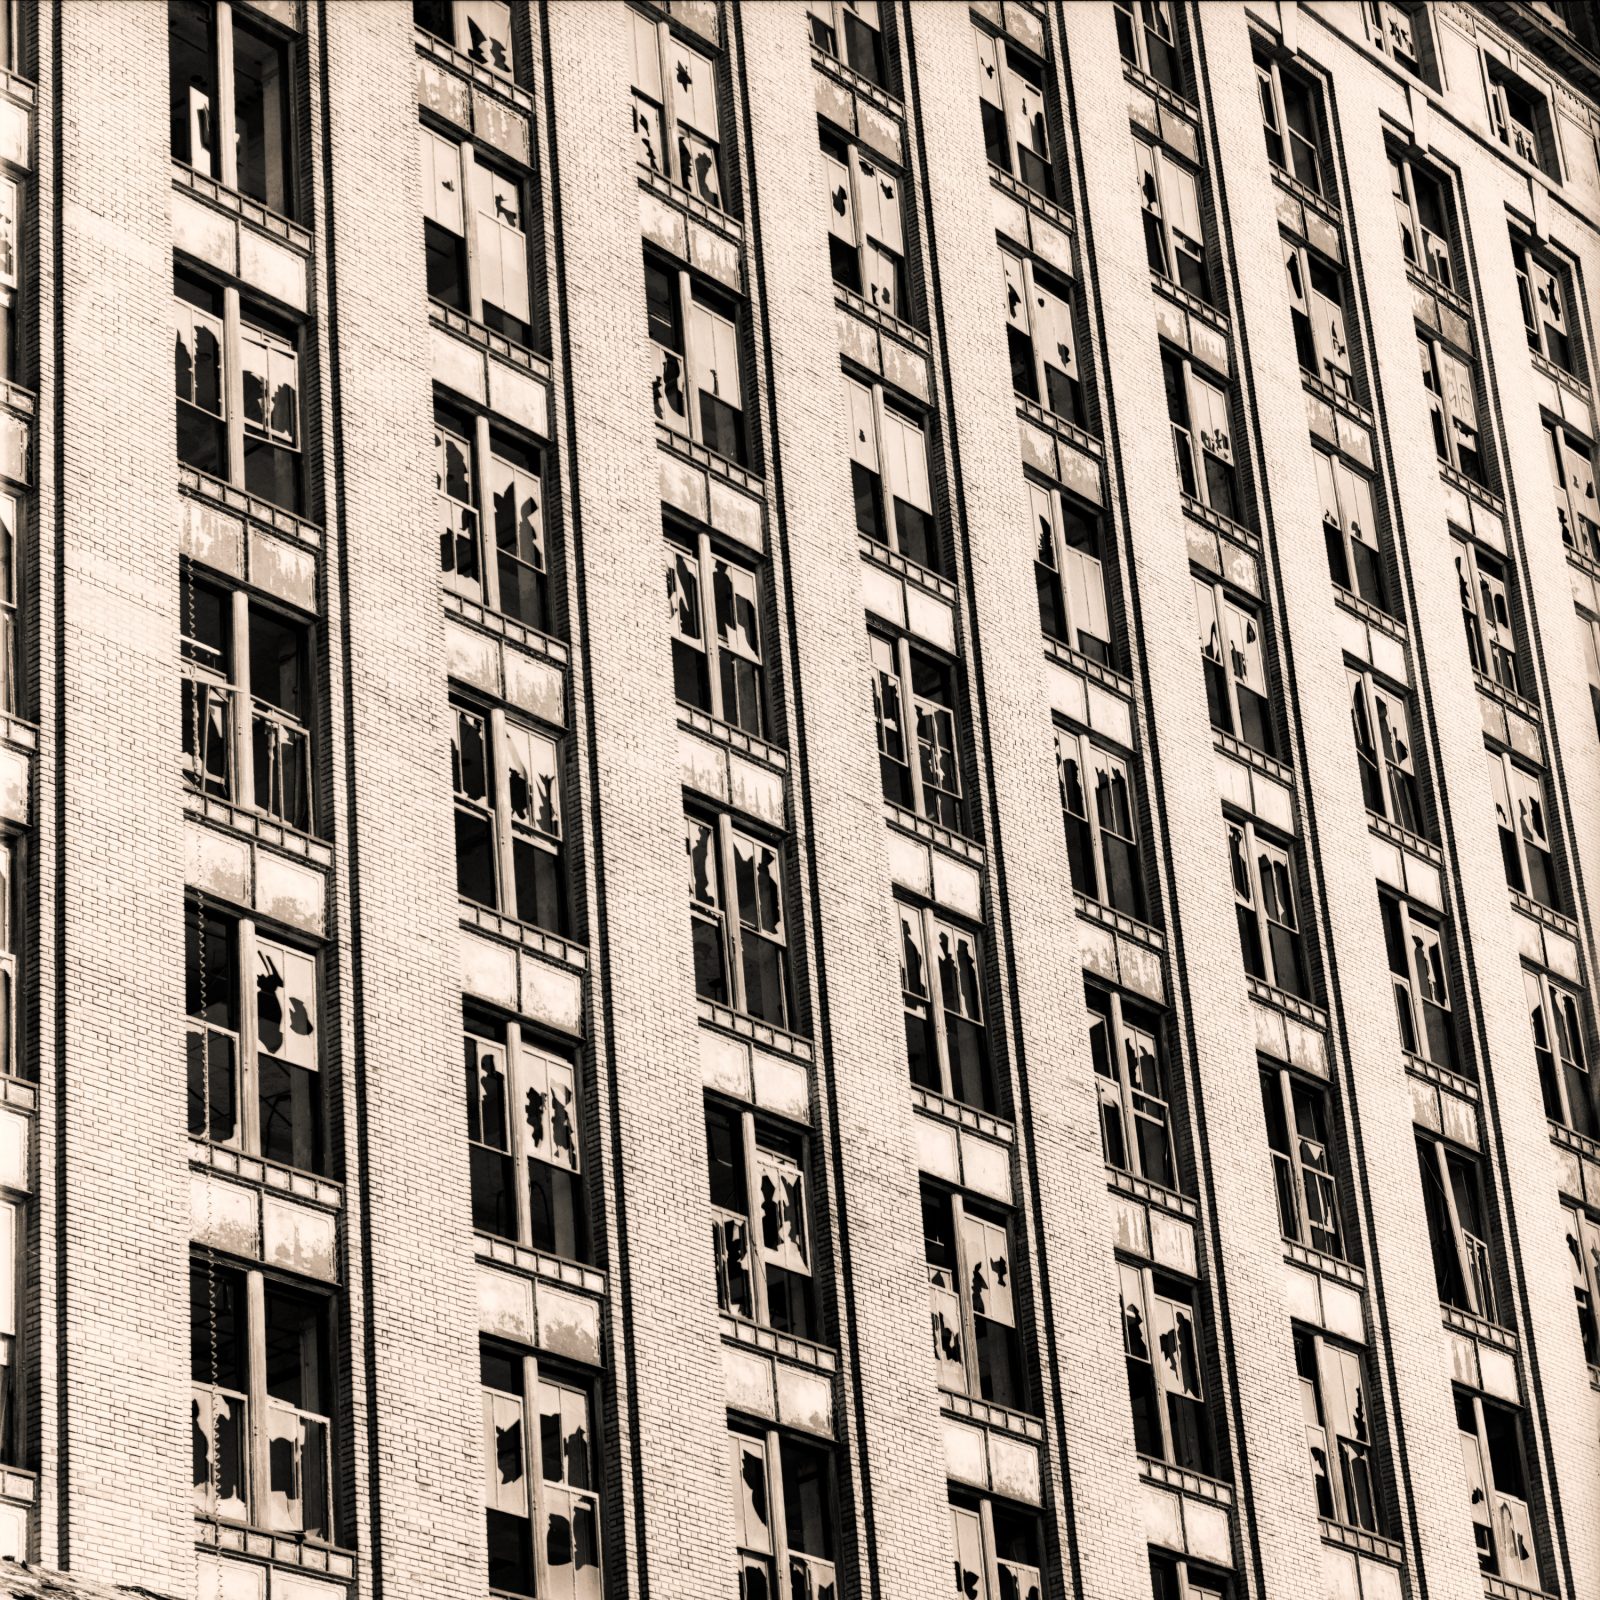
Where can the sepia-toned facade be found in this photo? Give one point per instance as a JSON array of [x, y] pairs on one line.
[[799, 800]]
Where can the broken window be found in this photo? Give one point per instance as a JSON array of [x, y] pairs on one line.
[[889, 475], [783, 1515], [1316, 311], [11, 245], [1044, 345], [1400, 31], [997, 1549], [1419, 969], [1572, 476], [675, 109], [914, 705], [1451, 385], [262, 1399], [1174, 1578], [1583, 1252], [1559, 1031], [1458, 1226], [946, 1041], [1231, 640], [1422, 208], [737, 916], [760, 1225], [696, 389], [1588, 628], [244, 143], [1166, 1365], [1147, 37], [1202, 435], [198, 350], [714, 606], [1070, 572], [1300, 1140], [1264, 898], [972, 1299], [1291, 117], [254, 1071], [1011, 96], [1336, 1406], [1384, 751], [1131, 1081], [850, 31], [1525, 840], [1350, 529], [479, 29], [1542, 292], [9, 898], [866, 232], [1100, 807], [1174, 234], [270, 369], [1518, 116], [1497, 1488], [1485, 593]]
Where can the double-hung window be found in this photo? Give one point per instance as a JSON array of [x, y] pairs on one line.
[[1147, 38], [741, 949], [1015, 128], [1399, 31], [1235, 668], [1350, 529], [1174, 234], [1175, 1578], [1298, 1113], [1589, 629], [10, 1065], [1264, 899], [1486, 613], [524, 1137], [541, 1508], [1451, 384], [1583, 1251], [1070, 572], [996, 1550], [1422, 208], [1557, 1017], [1044, 346], [254, 1066], [760, 1227], [1518, 116], [1316, 311], [696, 390], [783, 1515], [1100, 808], [1525, 843], [1166, 1367], [914, 702], [1202, 435], [1497, 1488], [1382, 729], [1337, 1407], [1542, 292], [1131, 1081], [1419, 970], [1291, 117], [889, 475], [510, 849], [851, 32], [866, 230], [1458, 1228], [714, 602], [479, 29], [942, 987], [12, 205], [1572, 476], [675, 118], [972, 1299]]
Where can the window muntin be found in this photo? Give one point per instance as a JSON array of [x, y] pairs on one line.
[[1235, 668], [1298, 1116], [942, 984], [997, 1550], [1166, 1364], [1451, 385], [1336, 1405], [1558, 1019], [696, 390], [1011, 95], [1485, 596], [914, 703], [1382, 727], [1131, 1082], [714, 604], [866, 231], [1202, 435], [1419, 970], [1524, 822], [1174, 235], [850, 31], [1542, 293], [1572, 476], [1422, 208], [480, 29], [1070, 572], [1583, 1251], [889, 475], [1497, 1488], [1458, 1227], [1100, 808], [1147, 39], [270, 368], [1350, 529], [740, 938], [1039, 326], [1316, 310], [1517, 115], [1264, 899], [783, 1515], [675, 109], [1291, 117]]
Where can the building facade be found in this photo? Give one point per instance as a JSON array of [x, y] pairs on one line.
[[457, 1133]]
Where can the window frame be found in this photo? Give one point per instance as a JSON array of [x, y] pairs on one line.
[[834, 18], [1168, 1386], [1388, 757], [1452, 404], [1475, 1259], [1487, 614], [920, 927], [1255, 842], [1094, 760], [868, 429], [1076, 588], [1583, 1247], [1528, 141], [772, 1552], [1119, 1094], [974, 1539], [1565, 1078], [461, 35], [887, 291], [1327, 326], [1428, 250], [1271, 72], [1423, 1007], [702, 370], [1213, 598], [1161, 199], [1138, 30], [1200, 445], [705, 555], [1521, 800], [724, 909], [1288, 1090], [1386, 23], [945, 808], [1540, 299], [1360, 555], [1342, 1504], [682, 141], [999, 89], [1033, 310], [1499, 1530], [1580, 531]]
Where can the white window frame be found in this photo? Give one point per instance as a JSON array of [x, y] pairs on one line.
[[1474, 1256], [1079, 574], [912, 711], [1254, 847], [685, 121], [920, 930], [893, 447], [1583, 1247], [1433, 252], [1329, 333], [1127, 1089], [1169, 191], [872, 224], [972, 1538], [1098, 769], [952, 1296], [1522, 810], [1486, 612], [1502, 1523], [1036, 311], [1564, 1041], [703, 559], [1572, 477], [1420, 987], [1146, 17], [1333, 1361], [1269, 80], [1137, 1294], [1348, 495], [1201, 397], [1388, 719], [710, 358], [1219, 617], [1450, 381], [1001, 86], [725, 910], [1542, 290], [1305, 1177]]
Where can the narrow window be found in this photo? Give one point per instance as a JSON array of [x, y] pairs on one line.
[[1558, 1021], [1291, 114], [1519, 117], [1381, 726], [675, 110], [1147, 38], [740, 949], [1165, 1362], [696, 390], [1485, 594], [942, 987], [994, 1536], [1235, 668], [1299, 1138], [1100, 809], [1572, 476], [472, 775], [1541, 290], [1070, 572], [850, 31], [1131, 1080], [1583, 1252], [866, 235], [1044, 362], [1525, 845], [1202, 436], [261, 116], [1350, 530], [1011, 95], [717, 660], [1419, 969], [1316, 306], [1422, 208], [507, 1500], [200, 378], [1458, 1228], [1451, 386], [1174, 235], [1497, 1488], [1336, 1405], [1264, 899]]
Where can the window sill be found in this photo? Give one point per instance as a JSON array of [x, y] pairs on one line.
[[1226, 526], [19, 1485], [18, 732], [1558, 374], [23, 90], [1152, 1193], [1069, 432], [1209, 314], [904, 567], [256, 825], [1268, 766], [1041, 204], [266, 1174], [959, 1114], [517, 634], [718, 466], [1548, 916], [1585, 564], [1199, 1485], [562, 951], [1373, 615], [676, 196], [1441, 1077], [18, 1092], [1021, 1424], [847, 299], [767, 1034], [539, 1264], [786, 1346], [1086, 666], [1472, 489], [265, 220], [880, 97], [1415, 843], [1504, 1589], [282, 1549], [1362, 1542], [1304, 193], [478, 333], [1282, 1000], [1476, 1327], [1165, 93], [1493, 690], [1151, 937], [240, 502], [1326, 1266], [956, 844], [724, 733], [442, 51]]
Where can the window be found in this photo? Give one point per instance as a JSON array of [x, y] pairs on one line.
[[889, 475], [1070, 572], [1100, 808], [1291, 116], [675, 109], [1557, 1017], [10, 1063], [12, 1384], [1011, 91], [1336, 1406], [1148, 39], [1589, 629], [489, 282], [947, 1045], [244, 142], [1172, 1578], [908, 683], [759, 1192], [262, 1398], [1298, 1113], [1264, 899], [479, 29], [1350, 529], [740, 944], [1044, 360], [1400, 31], [1422, 207], [259, 447], [783, 1515], [866, 236], [716, 654], [1235, 669], [1486, 613], [849, 31], [1202, 435], [1174, 236], [1572, 474], [254, 1071], [972, 1299], [1316, 310], [561, 1500], [510, 854], [523, 1135], [1419, 969], [246, 701], [696, 336], [1458, 1226], [12, 202], [1583, 1247], [1131, 1080], [1452, 400], [1497, 1488], [1518, 116], [1383, 747], [997, 1550], [1166, 1365], [1540, 288], [1525, 846]]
